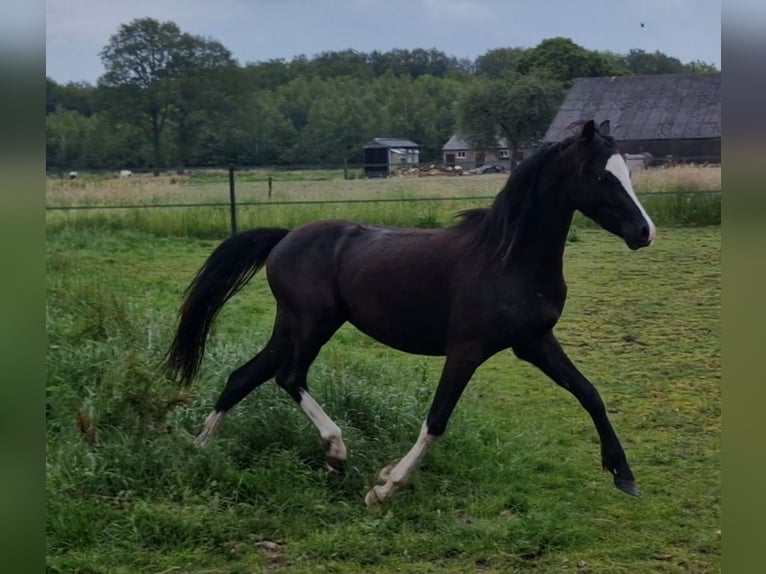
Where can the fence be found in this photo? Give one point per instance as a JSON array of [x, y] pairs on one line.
[[232, 204]]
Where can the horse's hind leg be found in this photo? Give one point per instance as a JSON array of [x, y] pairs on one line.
[[243, 381], [294, 380]]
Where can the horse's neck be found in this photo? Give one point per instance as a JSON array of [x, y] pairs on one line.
[[541, 235]]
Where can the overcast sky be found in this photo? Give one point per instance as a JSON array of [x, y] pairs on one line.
[[256, 30]]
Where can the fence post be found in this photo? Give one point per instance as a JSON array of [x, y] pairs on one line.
[[269, 187], [232, 200]]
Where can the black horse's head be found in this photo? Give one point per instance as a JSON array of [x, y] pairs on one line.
[[603, 191]]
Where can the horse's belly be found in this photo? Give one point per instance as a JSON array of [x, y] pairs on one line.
[[412, 334]]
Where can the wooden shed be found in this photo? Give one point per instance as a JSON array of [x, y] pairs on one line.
[[382, 156], [669, 115]]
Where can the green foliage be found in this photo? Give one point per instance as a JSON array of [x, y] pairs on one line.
[[563, 60], [338, 123], [74, 96], [498, 62], [641, 62], [414, 63], [65, 133], [517, 108], [251, 129]]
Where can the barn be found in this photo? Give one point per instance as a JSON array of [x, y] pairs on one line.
[[382, 156], [673, 116]]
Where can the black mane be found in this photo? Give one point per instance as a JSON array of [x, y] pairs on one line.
[[499, 223]]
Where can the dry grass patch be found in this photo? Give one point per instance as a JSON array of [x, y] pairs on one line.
[[287, 186], [678, 178]]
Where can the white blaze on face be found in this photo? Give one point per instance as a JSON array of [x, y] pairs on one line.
[[619, 169]]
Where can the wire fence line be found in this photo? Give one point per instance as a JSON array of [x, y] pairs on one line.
[[268, 203], [233, 205]]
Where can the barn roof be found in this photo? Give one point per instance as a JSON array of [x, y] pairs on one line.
[[391, 142], [656, 107]]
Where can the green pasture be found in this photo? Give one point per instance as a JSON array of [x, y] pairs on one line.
[[514, 485]]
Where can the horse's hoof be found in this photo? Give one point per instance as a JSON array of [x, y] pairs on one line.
[[372, 499], [627, 486], [334, 464], [334, 454]]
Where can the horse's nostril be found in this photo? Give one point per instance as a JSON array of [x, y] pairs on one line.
[[644, 232]]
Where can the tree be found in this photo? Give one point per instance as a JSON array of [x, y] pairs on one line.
[[76, 96], [348, 63], [297, 97], [337, 125], [249, 130], [414, 63], [114, 145], [144, 61], [200, 89], [498, 62], [641, 62], [518, 108], [700, 67], [267, 75], [617, 63], [65, 132], [563, 60]]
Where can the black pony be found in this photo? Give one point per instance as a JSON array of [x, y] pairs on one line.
[[491, 281]]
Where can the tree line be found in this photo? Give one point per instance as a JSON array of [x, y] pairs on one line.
[[169, 99]]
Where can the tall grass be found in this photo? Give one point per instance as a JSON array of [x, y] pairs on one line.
[[328, 184], [678, 178], [668, 210]]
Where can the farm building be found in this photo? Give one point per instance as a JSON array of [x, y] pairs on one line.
[[458, 152], [382, 156], [675, 116]]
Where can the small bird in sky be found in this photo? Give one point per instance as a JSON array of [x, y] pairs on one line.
[[642, 24]]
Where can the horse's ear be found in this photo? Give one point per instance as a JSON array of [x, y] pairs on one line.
[[603, 128], [588, 131]]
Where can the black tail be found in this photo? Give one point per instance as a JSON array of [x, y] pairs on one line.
[[231, 265]]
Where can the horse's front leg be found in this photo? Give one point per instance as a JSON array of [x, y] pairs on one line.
[[547, 355], [460, 365]]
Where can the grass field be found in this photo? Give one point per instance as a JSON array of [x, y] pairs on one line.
[[514, 485]]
